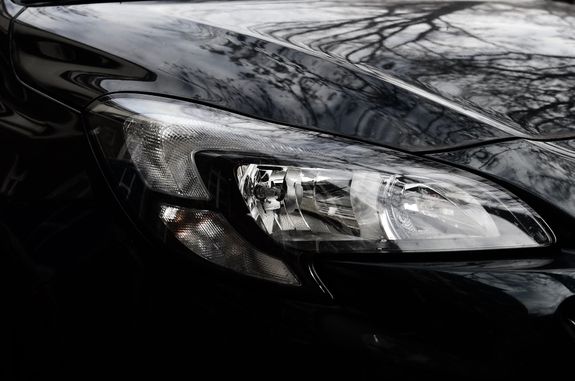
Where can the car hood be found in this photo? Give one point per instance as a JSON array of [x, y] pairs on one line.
[[415, 75], [513, 62]]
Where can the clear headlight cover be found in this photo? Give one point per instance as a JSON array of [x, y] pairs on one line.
[[331, 209], [317, 192]]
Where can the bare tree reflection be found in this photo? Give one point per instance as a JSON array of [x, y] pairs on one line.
[[321, 64], [521, 67], [543, 168], [289, 85]]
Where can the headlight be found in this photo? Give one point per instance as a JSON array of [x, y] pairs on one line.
[[307, 192]]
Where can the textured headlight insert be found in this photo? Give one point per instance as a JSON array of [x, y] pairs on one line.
[[315, 192], [211, 237]]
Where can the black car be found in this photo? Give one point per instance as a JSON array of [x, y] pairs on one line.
[[287, 188]]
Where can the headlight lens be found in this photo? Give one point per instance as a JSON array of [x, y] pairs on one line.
[[308, 191], [320, 209]]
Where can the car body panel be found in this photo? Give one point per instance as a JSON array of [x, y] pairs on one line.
[[512, 62], [273, 78], [403, 94], [545, 169]]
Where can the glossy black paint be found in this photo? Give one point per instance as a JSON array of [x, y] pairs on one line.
[[545, 169], [372, 77], [232, 70], [368, 70]]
